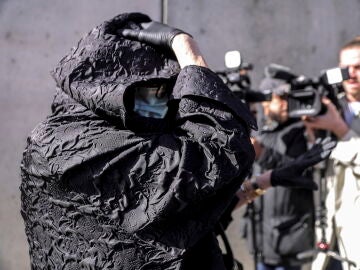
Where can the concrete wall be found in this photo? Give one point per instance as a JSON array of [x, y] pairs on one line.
[[35, 34], [304, 35]]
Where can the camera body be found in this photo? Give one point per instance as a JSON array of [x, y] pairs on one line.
[[306, 94], [304, 102], [236, 77]]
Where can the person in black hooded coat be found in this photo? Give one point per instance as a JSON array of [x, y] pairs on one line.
[[104, 187]]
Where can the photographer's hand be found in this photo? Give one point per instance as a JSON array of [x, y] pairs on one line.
[[291, 175], [331, 120]]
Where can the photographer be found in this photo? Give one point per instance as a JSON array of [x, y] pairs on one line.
[[283, 218], [343, 175]]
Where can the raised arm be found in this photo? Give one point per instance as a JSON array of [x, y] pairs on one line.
[[184, 46], [290, 175], [187, 51]]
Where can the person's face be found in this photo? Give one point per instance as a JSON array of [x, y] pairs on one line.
[[351, 58], [277, 108], [151, 100]]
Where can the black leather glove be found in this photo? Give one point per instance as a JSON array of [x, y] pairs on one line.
[[154, 33], [291, 175]]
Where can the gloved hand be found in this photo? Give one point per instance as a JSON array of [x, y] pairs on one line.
[[291, 175], [154, 33]]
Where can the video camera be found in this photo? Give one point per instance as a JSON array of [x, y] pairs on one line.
[[305, 95], [236, 77]]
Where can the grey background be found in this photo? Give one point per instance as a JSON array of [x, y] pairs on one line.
[[36, 34]]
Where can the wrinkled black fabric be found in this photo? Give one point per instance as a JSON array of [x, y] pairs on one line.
[[103, 188]]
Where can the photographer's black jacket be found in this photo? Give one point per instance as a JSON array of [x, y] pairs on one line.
[[285, 216], [103, 188]]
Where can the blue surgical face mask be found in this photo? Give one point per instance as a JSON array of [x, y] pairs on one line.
[[149, 103]]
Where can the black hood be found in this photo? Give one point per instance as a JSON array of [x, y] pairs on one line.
[[101, 69], [103, 66]]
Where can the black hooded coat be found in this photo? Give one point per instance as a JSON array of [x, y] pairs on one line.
[[104, 188]]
